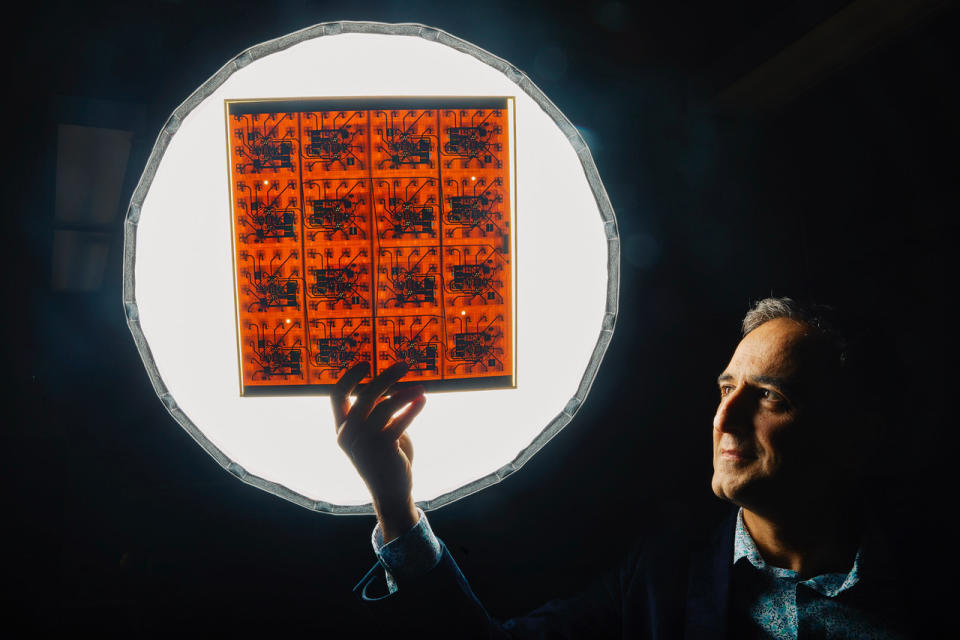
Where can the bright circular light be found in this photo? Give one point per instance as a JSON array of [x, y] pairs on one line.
[[178, 273]]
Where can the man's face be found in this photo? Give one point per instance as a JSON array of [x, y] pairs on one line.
[[772, 435]]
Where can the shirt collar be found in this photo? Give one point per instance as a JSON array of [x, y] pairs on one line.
[[828, 584], [744, 546]]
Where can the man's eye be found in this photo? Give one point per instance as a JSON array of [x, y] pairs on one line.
[[725, 390], [768, 394]]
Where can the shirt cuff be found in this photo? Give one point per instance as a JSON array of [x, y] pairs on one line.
[[411, 555]]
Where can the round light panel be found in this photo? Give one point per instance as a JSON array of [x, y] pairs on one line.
[[180, 275]]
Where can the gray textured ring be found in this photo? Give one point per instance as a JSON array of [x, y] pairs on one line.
[[434, 35]]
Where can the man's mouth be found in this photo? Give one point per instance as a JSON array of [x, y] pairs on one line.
[[739, 455]]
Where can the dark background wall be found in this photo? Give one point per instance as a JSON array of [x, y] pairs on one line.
[[745, 153]]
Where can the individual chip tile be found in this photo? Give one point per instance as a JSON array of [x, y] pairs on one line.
[[406, 210], [477, 343], [416, 340], [334, 143], [335, 345], [265, 144], [269, 279], [403, 142], [475, 208], [268, 211], [408, 280], [475, 275], [338, 209], [338, 281], [273, 349], [472, 139]]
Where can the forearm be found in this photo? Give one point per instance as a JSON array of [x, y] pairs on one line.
[[395, 517], [409, 556]]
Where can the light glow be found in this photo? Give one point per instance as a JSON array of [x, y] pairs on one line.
[[183, 275]]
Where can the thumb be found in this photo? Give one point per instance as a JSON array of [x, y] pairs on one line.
[[406, 445]]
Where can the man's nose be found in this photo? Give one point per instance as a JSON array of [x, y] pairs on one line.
[[733, 414]]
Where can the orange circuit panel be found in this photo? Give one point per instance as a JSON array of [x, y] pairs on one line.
[[373, 229]]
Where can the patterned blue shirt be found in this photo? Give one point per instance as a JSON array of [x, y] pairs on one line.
[[781, 605], [411, 555]]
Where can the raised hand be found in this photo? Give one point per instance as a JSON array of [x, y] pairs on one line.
[[376, 441]]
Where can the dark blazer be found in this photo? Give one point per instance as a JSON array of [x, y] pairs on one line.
[[672, 585], [676, 583]]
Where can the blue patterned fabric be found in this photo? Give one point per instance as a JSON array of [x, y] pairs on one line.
[[408, 556], [782, 606]]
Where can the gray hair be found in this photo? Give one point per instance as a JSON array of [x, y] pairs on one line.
[[773, 308], [821, 318]]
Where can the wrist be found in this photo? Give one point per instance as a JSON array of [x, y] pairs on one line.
[[396, 519]]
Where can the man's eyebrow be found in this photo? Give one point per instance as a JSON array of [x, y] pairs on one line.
[[771, 380], [780, 383]]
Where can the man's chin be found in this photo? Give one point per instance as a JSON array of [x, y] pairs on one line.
[[727, 488]]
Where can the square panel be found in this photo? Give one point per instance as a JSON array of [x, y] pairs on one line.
[[374, 229]]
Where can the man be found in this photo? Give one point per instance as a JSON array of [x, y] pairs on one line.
[[797, 559]]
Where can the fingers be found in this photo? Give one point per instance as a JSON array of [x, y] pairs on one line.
[[367, 398], [396, 428], [406, 446], [359, 430], [382, 413], [339, 399]]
